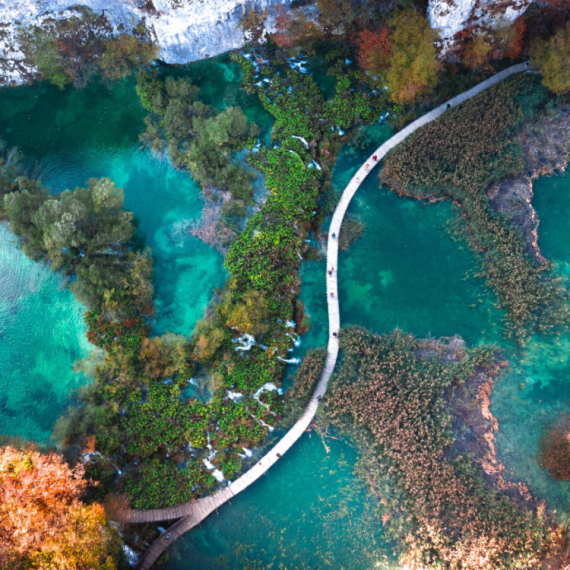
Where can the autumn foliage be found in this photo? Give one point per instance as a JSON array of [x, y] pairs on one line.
[[512, 39], [551, 59], [404, 54], [293, 28], [373, 49], [43, 522]]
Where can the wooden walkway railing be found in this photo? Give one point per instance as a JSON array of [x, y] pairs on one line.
[[194, 512]]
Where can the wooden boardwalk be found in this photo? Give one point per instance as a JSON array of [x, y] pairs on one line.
[[194, 512]]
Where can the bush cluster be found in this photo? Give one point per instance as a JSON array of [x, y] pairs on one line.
[[555, 449], [73, 50], [195, 135]]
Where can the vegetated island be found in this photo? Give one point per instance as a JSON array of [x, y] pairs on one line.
[[419, 412]]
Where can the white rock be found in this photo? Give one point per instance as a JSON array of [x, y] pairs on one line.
[[451, 16]]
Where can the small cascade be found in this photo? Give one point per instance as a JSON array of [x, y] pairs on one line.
[[234, 396], [268, 387], [303, 140], [246, 453], [260, 421], [246, 340], [130, 555], [296, 341], [289, 360], [219, 476]]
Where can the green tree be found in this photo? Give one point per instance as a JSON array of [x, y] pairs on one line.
[[85, 231], [123, 53], [209, 156], [21, 206], [552, 59], [41, 49], [87, 223], [412, 64], [150, 90]]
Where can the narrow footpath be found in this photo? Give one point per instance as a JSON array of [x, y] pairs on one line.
[[194, 512]]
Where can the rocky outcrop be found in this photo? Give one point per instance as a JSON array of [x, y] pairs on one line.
[[449, 17], [546, 147], [512, 197], [185, 30]]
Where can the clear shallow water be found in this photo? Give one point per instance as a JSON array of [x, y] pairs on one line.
[[405, 271], [42, 333]]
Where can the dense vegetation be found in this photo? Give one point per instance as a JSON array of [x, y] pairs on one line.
[[393, 394], [456, 158], [551, 59], [73, 50], [136, 428], [305, 382], [44, 523]]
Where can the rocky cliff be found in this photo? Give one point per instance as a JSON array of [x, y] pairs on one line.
[[185, 30], [188, 30], [452, 16]]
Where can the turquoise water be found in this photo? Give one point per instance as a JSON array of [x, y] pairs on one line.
[[70, 136], [537, 388], [307, 512], [405, 271], [42, 333]]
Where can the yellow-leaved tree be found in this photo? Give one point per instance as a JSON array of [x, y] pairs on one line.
[[552, 59], [412, 63]]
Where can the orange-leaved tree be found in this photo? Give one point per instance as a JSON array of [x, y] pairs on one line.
[[293, 28], [374, 50], [44, 524], [478, 52]]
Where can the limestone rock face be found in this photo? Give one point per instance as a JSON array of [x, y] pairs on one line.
[[185, 30], [452, 16]]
